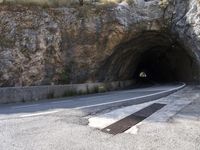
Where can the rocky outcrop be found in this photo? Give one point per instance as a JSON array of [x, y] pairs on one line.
[[93, 42]]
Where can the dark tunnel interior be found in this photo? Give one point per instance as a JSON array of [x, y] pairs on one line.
[[163, 65], [150, 57]]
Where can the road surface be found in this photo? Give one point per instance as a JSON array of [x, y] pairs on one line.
[[75, 123], [97, 101]]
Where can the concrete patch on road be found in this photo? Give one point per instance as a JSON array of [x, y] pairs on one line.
[[107, 119], [163, 115], [174, 104]]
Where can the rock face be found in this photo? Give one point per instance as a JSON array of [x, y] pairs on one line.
[[91, 43]]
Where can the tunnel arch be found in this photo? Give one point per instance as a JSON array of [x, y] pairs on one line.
[[157, 54]]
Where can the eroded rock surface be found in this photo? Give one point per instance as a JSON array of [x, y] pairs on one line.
[[95, 43]]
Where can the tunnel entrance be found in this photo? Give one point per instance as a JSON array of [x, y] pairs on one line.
[[164, 64], [151, 57]]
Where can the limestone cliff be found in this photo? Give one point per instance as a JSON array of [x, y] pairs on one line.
[[98, 42]]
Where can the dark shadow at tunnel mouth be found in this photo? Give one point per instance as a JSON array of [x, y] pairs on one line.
[[158, 56]]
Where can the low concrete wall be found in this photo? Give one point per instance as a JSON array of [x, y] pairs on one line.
[[35, 93]]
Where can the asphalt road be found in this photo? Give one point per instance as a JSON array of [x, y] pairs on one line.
[[63, 124], [93, 102]]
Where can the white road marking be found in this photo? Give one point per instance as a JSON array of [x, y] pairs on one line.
[[57, 102], [89, 106], [134, 98], [39, 114], [64, 101], [151, 89], [24, 106]]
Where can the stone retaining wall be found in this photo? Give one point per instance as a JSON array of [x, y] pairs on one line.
[[35, 93]]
